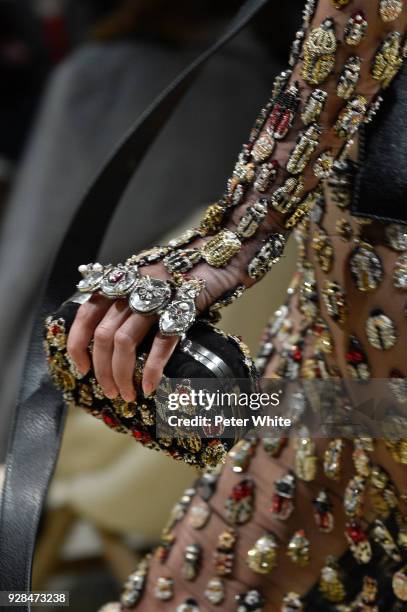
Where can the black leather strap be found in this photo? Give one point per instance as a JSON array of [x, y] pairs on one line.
[[39, 417]]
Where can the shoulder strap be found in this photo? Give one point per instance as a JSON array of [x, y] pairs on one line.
[[39, 416]]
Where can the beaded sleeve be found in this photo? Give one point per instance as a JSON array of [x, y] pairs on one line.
[[342, 58], [345, 54]]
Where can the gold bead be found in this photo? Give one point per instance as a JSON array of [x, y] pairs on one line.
[[221, 248], [212, 218], [319, 53]]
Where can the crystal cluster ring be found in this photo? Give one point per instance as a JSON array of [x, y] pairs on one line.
[[173, 303]]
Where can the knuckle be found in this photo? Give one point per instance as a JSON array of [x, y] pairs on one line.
[[123, 340], [103, 335]]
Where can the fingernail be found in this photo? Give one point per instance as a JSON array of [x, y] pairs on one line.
[[76, 369], [148, 387], [111, 394], [129, 397]]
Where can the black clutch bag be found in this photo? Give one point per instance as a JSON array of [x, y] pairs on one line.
[[206, 355]]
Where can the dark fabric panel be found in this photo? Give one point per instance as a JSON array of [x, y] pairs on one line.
[[381, 184]]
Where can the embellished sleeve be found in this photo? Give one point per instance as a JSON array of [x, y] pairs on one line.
[[343, 57], [345, 54]]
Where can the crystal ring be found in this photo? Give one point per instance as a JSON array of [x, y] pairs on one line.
[[149, 295]]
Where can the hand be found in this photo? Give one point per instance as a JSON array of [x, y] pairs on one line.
[[117, 331]]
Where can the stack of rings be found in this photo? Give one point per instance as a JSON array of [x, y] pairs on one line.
[[173, 302]]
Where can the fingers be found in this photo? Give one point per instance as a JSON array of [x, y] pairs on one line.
[[116, 333], [126, 339], [104, 344], [81, 333], [161, 351]]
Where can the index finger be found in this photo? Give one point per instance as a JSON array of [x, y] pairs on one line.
[[81, 333]]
